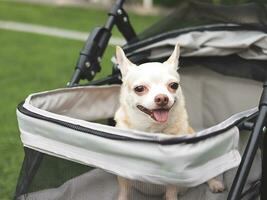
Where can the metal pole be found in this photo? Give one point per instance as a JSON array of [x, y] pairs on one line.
[[263, 188], [250, 151]]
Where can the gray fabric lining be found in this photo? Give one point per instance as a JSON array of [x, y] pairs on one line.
[[212, 97]]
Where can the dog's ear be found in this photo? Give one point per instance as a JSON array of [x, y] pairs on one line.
[[124, 63], [173, 60]]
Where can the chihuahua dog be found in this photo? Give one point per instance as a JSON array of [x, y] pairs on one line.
[[151, 100]]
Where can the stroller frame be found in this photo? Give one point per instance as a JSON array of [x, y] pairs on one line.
[[88, 64], [118, 17]]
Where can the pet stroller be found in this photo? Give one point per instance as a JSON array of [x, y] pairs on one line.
[[72, 150]]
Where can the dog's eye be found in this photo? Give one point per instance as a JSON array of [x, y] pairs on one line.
[[174, 85], [139, 89]]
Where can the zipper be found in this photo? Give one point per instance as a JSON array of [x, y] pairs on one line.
[[171, 141]]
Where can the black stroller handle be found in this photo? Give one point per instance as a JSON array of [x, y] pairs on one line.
[[88, 63]]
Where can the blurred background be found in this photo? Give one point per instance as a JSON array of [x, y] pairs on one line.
[[40, 42]]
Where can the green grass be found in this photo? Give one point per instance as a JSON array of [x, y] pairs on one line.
[[82, 19], [31, 63]]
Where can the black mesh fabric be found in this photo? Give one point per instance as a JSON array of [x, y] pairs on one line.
[[190, 14], [42, 171]]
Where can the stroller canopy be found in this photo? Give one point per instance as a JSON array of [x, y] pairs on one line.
[[231, 40]]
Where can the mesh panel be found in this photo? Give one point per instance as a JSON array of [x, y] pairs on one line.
[[190, 14], [41, 171]]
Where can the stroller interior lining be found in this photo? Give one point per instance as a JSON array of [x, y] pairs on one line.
[[210, 98]]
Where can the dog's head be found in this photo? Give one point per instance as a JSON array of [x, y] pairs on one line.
[[150, 89]]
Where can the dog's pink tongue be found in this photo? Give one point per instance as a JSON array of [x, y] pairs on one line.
[[161, 115]]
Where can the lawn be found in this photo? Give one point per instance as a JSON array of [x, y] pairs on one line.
[[81, 19], [31, 63]]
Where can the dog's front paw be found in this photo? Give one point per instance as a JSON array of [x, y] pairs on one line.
[[216, 185]]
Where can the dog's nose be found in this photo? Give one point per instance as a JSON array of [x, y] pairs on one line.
[[161, 100]]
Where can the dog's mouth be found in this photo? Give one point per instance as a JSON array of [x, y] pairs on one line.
[[160, 115]]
